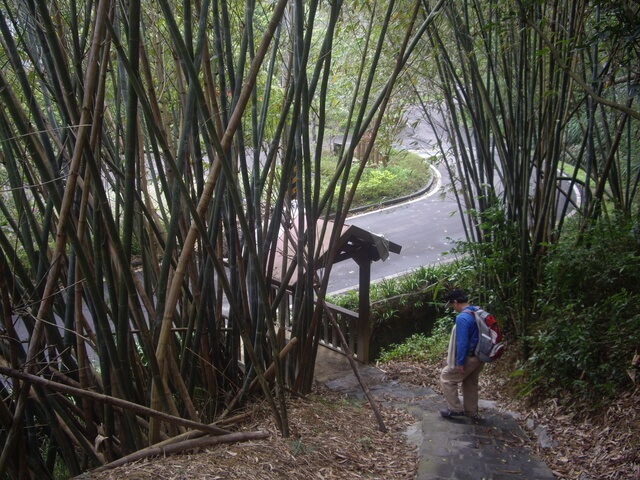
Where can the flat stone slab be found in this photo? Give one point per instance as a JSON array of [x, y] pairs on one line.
[[493, 447]]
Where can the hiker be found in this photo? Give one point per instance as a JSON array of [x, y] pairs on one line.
[[462, 365]]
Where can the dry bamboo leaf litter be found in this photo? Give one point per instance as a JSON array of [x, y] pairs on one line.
[[331, 439], [599, 448], [334, 439]]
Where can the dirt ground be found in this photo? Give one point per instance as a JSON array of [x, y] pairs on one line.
[[331, 438], [335, 438]]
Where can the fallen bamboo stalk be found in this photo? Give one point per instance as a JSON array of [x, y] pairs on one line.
[[349, 355], [193, 434], [99, 397], [270, 372], [184, 445]]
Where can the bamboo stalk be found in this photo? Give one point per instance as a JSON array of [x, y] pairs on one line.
[[187, 250], [98, 397], [185, 445], [64, 219], [349, 354]]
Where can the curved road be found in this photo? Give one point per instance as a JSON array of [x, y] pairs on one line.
[[425, 227]]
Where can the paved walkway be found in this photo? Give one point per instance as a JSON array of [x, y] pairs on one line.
[[492, 448]]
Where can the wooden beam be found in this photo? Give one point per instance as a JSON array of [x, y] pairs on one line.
[[364, 307]]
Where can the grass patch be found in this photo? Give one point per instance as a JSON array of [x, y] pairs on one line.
[[419, 347], [404, 174]]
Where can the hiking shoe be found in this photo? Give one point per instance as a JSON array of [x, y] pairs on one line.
[[450, 413]]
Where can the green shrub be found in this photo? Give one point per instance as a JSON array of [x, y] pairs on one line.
[[406, 173], [591, 321], [587, 268], [419, 347], [583, 355]]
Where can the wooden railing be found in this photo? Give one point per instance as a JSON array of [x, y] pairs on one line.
[[355, 331]]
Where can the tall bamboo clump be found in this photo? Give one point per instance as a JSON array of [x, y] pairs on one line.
[[537, 100], [147, 159]]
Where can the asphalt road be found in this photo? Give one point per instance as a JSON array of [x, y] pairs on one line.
[[425, 227]]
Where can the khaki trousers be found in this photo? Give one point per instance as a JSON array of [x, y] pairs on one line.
[[450, 379]]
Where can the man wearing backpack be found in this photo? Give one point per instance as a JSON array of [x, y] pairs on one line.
[[463, 367]]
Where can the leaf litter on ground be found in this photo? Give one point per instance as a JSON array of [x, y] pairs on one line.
[[335, 438]]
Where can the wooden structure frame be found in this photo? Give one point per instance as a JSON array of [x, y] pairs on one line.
[[354, 243]]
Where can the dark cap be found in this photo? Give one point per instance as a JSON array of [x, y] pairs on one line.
[[456, 296]]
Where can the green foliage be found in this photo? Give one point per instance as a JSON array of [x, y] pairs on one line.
[[387, 287], [589, 303], [583, 355], [499, 269], [60, 469], [497, 252], [419, 347], [406, 173], [433, 278], [587, 268], [381, 183], [346, 300]]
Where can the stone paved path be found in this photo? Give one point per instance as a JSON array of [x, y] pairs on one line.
[[492, 448]]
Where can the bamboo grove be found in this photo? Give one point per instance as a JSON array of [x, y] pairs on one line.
[[148, 153], [536, 100], [155, 155]]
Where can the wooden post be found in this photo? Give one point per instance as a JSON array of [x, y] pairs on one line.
[[364, 308]]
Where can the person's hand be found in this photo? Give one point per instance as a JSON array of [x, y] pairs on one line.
[[460, 369]]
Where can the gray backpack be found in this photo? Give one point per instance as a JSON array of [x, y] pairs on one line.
[[490, 346]]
